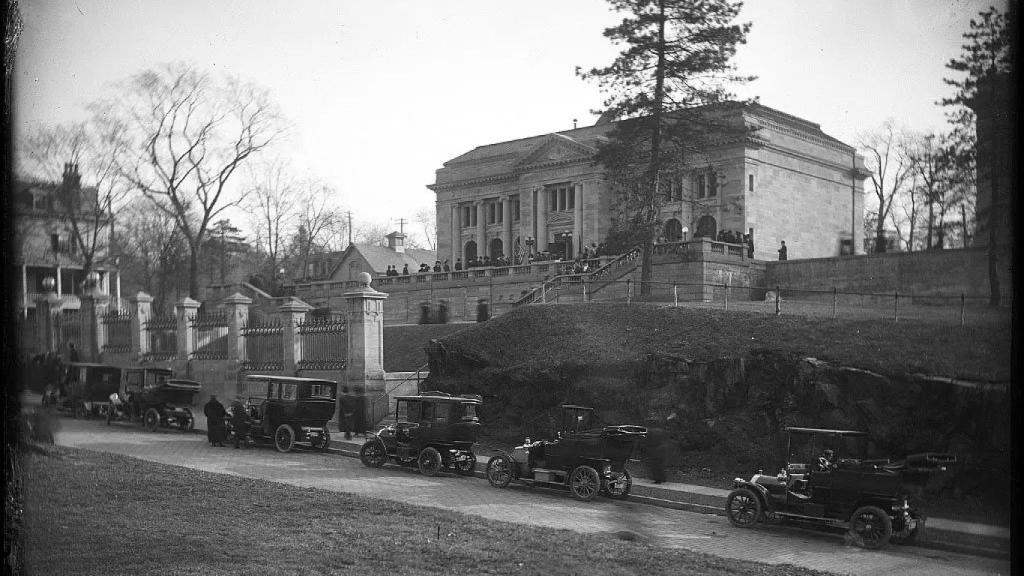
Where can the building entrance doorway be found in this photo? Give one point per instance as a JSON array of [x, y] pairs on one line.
[[469, 254], [562, 246], [706, 227], [496, 249]]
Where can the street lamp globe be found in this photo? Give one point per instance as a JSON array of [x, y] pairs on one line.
[[49, 283]]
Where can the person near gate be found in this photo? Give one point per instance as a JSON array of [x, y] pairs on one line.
[[215, 414]]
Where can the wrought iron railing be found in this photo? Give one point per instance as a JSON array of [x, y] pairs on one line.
[[323, 342], [117, 327], [162, 335], [264, 346], [209, 335], [552, 287]]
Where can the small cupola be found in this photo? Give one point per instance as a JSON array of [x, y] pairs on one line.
[[396, 241]]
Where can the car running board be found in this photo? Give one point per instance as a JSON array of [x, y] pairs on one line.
[[829, 521]]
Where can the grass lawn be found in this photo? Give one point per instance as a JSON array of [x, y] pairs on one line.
[[545, 336], [94, 513], [403, 345]]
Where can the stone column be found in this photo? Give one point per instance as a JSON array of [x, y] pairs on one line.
[[93, 304], [506, 227], [237, 306], [141, 308], [481, 227], [183, 313], [365, 314], [542, 219], [48, 308], [292, 313], [577, 220], [456, 234]]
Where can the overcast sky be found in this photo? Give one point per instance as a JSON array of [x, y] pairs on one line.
[[380, 93]]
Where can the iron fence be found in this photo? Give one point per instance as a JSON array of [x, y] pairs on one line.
[[209, 335], [264, 346], [117, 331], [69, 329], [323, 342], [162, 335]]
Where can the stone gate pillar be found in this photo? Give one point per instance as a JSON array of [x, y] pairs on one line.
[[292, 313], [365, 314], [183, 313], [141, 309], [94, 303], [48, 307], [237, 306]]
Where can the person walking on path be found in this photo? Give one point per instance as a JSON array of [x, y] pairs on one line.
[[215, 414], [783, 252]]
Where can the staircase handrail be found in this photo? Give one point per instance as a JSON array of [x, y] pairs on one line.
[[556, 282]]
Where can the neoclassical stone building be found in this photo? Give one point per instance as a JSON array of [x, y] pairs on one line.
[[787, 180]]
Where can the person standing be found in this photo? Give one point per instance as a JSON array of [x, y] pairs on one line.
[[347, 415], [72, 352], [240, 423], [215, 414], [783, 252]]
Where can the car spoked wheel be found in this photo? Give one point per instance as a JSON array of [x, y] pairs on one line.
[[324, 441], [429, 461], [284, 438], [373, 453], [466, 467], [743, 508], [618, 486], [499, 471], [584, 483], [151, 420], [870, 527]]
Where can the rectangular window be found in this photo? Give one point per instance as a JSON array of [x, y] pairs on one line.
[[55, 242], [701, 186], [571, 193], [500, 216], [491, 218], [712, 184], [465, 216], [553, 199], [561, 198], [473, 215], [515, 209], [750, 183]]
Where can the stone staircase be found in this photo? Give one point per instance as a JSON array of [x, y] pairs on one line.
[[577, 287]]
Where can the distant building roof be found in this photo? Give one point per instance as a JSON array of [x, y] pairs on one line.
[[380, 257]]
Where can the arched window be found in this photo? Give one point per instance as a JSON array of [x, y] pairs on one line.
[[706, 227], [496, 248], [470, 251], [673, 230]]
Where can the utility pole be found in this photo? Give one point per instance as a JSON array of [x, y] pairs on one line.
[[401, 225], [349, 227]]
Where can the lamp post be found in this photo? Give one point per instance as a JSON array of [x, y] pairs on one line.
[[530, 241], [685, 230], [567, 244]]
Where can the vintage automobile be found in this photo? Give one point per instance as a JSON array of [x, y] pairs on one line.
[[287, 410], [829, 481], [432, 430], [587, 459], [86, 387], [125, 403]]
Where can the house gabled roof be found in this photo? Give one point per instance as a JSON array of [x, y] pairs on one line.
[[380, 257]]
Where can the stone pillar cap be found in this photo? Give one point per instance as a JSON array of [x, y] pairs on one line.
[[294, 304], [187, 302], [238, 298], [140, 297]]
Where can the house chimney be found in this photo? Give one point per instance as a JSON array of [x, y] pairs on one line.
[[396, 242], [72, 179]]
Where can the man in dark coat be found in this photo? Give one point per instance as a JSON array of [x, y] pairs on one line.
[[239, 422], [215, 414]]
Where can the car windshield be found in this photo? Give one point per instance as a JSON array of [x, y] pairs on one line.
[[805, 448], [469, 410]]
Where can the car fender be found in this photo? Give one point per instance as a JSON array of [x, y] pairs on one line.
[[760, 491]]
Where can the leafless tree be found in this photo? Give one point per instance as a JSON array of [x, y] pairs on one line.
[[890, 171], [73, 155], [373, 233], [272, 209], [154, 254], [186, 135], [427, 218], [320, 221]]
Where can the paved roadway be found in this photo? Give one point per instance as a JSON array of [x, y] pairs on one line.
[[520, 504]]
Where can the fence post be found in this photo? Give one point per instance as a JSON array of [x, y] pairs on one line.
[[584, 291], [183, 313], [835, 299], [48, 309], [675, 295], [365, 350], [629, 289], [237, 306], [896, 307], [725, 288], [778, 295], [141, 306], [292, 312], [961, 309], [93, 302]]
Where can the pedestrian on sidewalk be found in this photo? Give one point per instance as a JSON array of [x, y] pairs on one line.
[[653, 450], [215, 414], [346, 421], [239, 423]]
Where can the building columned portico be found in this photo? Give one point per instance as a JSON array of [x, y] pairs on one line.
[[785, 181]]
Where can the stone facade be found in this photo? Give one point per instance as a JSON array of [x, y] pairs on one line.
[[788, 181]]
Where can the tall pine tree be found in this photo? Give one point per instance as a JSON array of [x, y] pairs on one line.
[[675, 63]]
